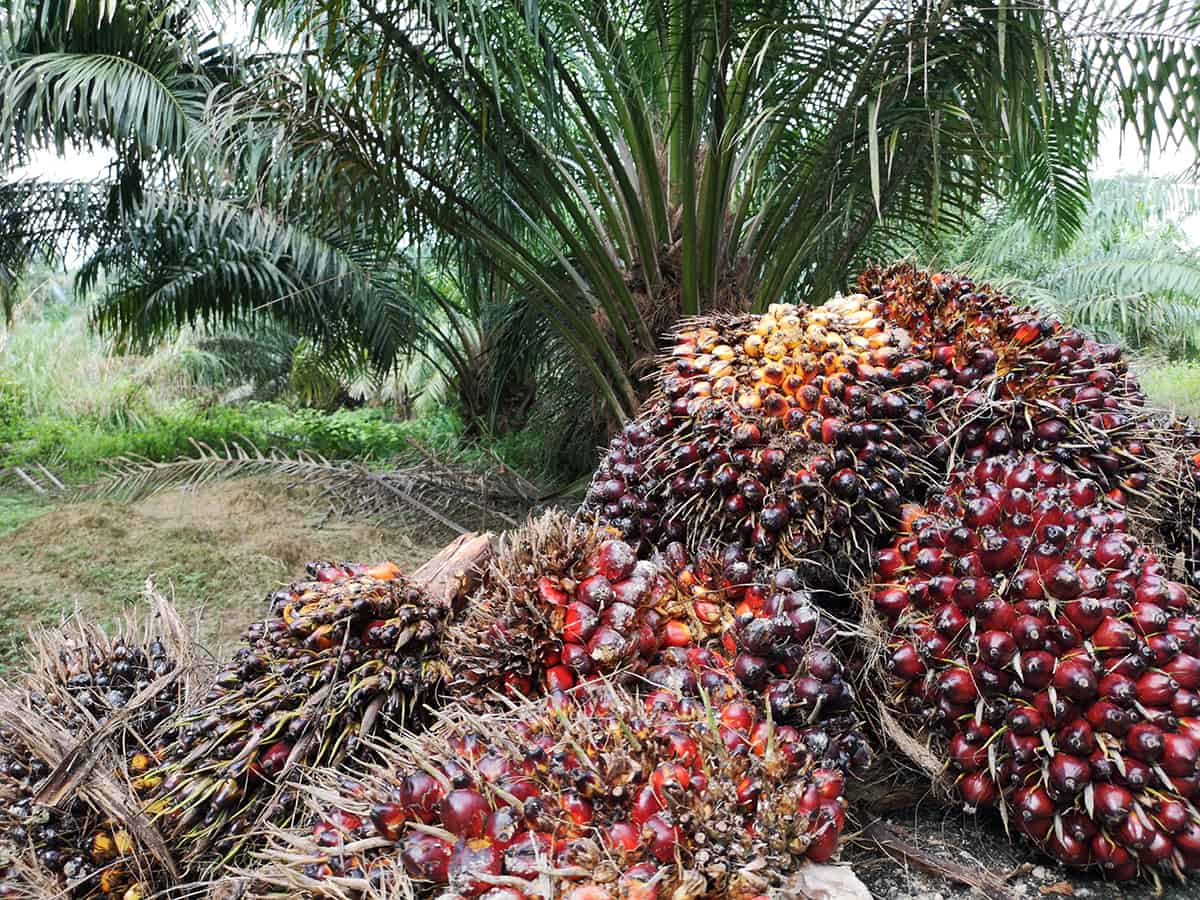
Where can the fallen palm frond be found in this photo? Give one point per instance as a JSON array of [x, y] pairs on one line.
[[442, 491]]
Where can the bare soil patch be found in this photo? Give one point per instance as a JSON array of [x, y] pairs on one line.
[[218, 550]]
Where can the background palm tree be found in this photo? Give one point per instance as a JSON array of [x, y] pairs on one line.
[[598, 169]]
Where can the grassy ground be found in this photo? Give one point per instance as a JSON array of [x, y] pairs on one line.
[[217, 550]]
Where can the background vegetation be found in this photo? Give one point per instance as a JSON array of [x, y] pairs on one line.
[[369, 230]]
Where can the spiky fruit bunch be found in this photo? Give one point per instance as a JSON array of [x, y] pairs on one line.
[[79, 846], [1011, 379], [783, 645], [346, 656], [1171, 520], [592, 795], [794, 434], [563, 602], [1053, 662]]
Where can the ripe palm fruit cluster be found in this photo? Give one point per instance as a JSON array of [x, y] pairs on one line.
[[565, 603], [1008, 379], [562, 602], [79, 846], [795, 434], [800, 433], [350, 653], [1053, 662], [593, 796]]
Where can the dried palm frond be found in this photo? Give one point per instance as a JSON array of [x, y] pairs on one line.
[[431, 487]]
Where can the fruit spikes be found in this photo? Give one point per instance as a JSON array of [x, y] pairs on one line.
[[1053, 662], [352, 653], [590, 795]]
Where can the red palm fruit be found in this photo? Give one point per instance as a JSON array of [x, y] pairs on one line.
[[1077, 738], [527, 854], [1068, 774], [1063, 582], [1157, 850], [462, 812], [1119, 688], [420, 794], [1172, 816], [904, 662], [559, 678], [1068, 849], [503, 825], [1156, 689], [615, 560], [1108, 718], [997, 648], [661, 838], [581, 620], [1149, 617], [1180, 754], [471, 859], [624, 836], [1185, 669], [1029, 632], [966, 756], [957, 686], [1112, 803], [1025, 720], [1145, 742], [1114, 859], [1134, 773], [1076, 678], [388, 819], [978, 791], [426, 857], [1036, 669], [1113, 635]]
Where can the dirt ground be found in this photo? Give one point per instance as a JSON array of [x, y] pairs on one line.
[[217, 551], [220, 549]]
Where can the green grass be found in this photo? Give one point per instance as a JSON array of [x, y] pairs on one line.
[[18, 509], [1175, 385]]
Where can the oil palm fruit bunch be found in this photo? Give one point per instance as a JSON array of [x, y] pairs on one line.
[[350, 653], [587, 795], [1010, 379], [109, 694], [785, 644], [1051, 662], [1172, 520], [563, 601], [796, 434]]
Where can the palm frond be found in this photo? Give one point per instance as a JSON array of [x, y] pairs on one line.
[[438, 490]]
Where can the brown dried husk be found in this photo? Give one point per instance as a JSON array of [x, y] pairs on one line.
[[88, 766]]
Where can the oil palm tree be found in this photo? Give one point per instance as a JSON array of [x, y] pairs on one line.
[[615, 166], [621, 165]]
